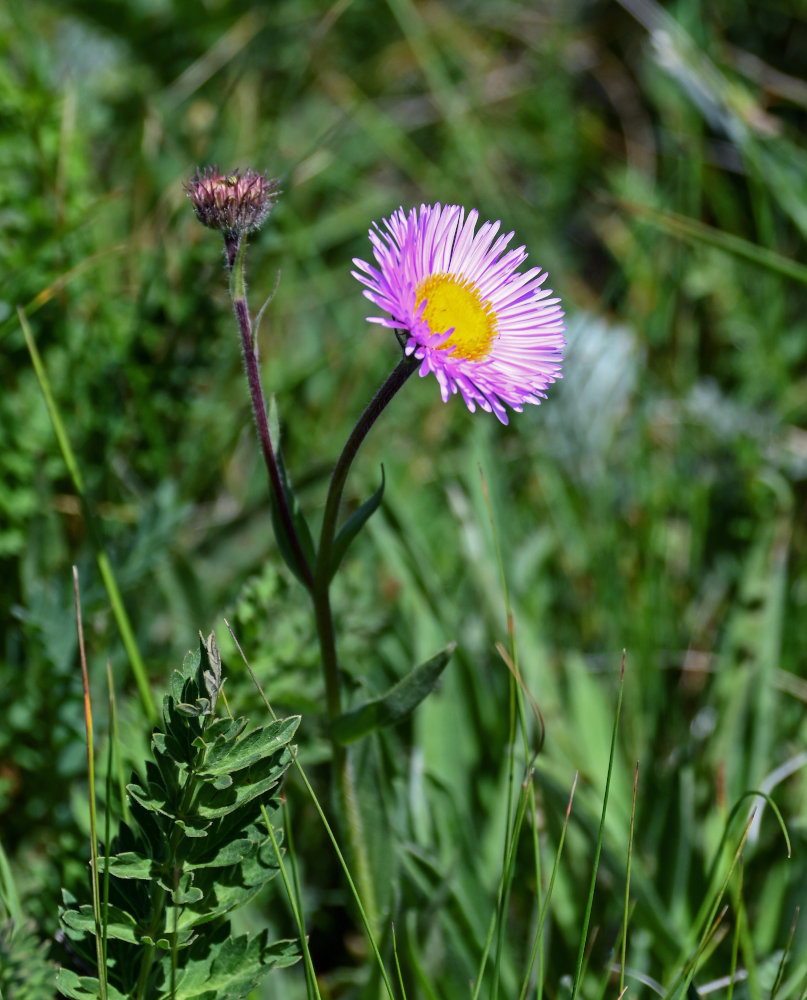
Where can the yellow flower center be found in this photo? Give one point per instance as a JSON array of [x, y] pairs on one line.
[[454, 301]]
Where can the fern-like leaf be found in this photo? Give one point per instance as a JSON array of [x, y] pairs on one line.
[[25, 972], [197, 847]]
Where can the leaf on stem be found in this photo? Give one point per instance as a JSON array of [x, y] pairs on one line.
[[299, 522], [353, 526], [396, 704]]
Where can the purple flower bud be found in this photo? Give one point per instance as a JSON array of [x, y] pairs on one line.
[[235, 203]]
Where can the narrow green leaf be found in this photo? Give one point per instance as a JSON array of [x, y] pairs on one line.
[[396, 704], [694, 231], [299, 522], [354, 524], [101, 556]]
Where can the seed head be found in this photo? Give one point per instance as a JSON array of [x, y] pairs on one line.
[[235, 203]]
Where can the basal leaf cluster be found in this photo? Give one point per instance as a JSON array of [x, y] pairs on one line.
[[197, 847]]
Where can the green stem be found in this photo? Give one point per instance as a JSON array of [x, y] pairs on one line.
[[363, 915], [322, 572], [346, 787]]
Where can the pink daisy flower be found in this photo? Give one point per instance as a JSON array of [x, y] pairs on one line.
[[482, 327]]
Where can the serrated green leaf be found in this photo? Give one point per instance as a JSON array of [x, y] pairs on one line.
[[231, 970], [120, 925], [186, 893], [25, 971], [153, 798], [396, 704], [129, 865], [207, 781], [193, 827], [226, 756], [83, 987], [261, 778], [230, 853], [353, 526], [228, 729]]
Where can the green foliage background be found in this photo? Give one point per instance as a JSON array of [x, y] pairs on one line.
[[655, 503]]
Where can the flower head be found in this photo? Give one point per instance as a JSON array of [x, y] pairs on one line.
[[483, 328], [235, 203]]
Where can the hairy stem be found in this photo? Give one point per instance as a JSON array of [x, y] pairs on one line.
[[235, 259]]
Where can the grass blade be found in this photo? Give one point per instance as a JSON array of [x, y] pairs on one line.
[[104, 565], [100, 938], [578, 975]]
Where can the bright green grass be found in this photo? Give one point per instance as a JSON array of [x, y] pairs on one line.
[[655, 502]]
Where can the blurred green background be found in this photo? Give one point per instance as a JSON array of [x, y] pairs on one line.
[[653, 160]]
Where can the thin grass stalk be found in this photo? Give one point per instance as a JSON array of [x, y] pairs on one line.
[[780, 972], [329, 832], [693, 231], [397, 963], [115, 741], [502, 893], [735, 949], [102, 560], [536, 945], [578, 975], [624, 947], [310, 976], [735, 940], [509, 839], [100, 937], [539, 902], [587, 953], [747, 949], [684, 976], [512, 663], [706, 912], [702, 949], [295, 871], [107, 823], [523, 693], [298, 894], [427, 990]]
